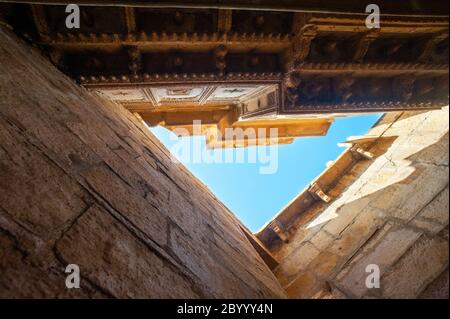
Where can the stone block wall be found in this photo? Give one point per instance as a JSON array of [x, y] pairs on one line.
[[391, 211], [82, 181]]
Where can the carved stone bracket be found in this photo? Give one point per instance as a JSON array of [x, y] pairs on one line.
[[343, 87], [430, 45], [220, 54], [135, 64], [402, 87], [317, 192], [360, 152], [302, 43], [363, 44], [279, 230]]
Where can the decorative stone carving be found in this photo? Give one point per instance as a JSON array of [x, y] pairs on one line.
[[352, 68], [343, 87], [403, 86], [302, 42], [363, 44]]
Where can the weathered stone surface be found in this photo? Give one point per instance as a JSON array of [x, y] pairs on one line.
[[438, 289], [325, 264], [420, 265], [382, 252], [109, 256], [390, 210], [23, 278], [357, 232], [22, 193], [322, 240], [83, 181], [304, 286], [298, 260], [437, 210], [345, 215]]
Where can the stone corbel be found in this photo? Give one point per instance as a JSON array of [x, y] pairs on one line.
[[135, 64], [403, 87], [279, 230], [302, 42], [429, 46], [317, 192], [361, 152], [363, 44], [343, 87], [220, 54]]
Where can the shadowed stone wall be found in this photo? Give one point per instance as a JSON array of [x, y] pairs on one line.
[[391, 211], [82, 181]]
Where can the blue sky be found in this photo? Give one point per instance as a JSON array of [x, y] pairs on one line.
[[255, 198]]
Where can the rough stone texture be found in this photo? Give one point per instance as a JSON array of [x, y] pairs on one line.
[[84, 182], [438, 289], [418, 267], [391, 211]]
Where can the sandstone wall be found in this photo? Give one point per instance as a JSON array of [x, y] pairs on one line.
[[391, 211], [82, 181]]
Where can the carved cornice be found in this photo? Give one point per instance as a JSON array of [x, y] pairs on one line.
[[359, 107], [370, 68], [392, 25], [324, 56], [163, 40], [157, 79]]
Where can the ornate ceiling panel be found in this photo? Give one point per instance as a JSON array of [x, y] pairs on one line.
[[318, 62]]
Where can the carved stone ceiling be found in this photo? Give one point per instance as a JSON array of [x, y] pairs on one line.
[[314, 63], [187, 94]]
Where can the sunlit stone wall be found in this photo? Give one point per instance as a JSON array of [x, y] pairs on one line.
[[391, 212]]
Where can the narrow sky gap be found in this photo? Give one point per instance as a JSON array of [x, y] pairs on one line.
[[256, 198]]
